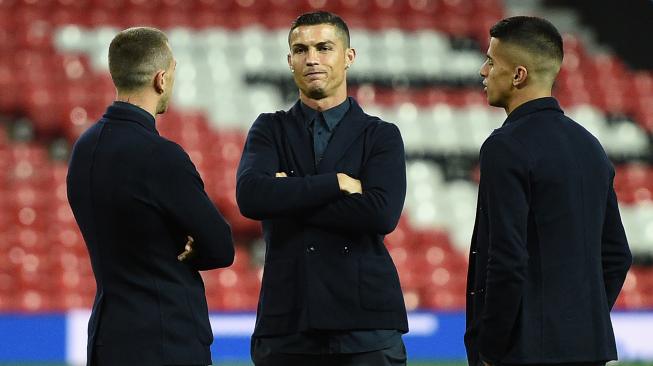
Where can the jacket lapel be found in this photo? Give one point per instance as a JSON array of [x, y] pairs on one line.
[[351, 126], [299, 140]]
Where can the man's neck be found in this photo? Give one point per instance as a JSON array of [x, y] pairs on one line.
[[324, 103], [139, 100], [526, 96]]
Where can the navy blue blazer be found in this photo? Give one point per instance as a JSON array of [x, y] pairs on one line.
[[136, 196], [549, 254], [326, 266]]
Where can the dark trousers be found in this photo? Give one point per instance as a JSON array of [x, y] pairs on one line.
[[94, 361], [563, 364], [393, 356]]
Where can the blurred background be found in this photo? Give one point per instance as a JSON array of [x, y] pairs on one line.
[[417, 66]]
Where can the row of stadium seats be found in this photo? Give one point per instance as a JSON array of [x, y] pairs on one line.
[[449, 15], [62, 279], [230, 57], [449, 130]]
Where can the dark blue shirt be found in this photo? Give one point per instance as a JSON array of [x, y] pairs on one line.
[[322, 125]]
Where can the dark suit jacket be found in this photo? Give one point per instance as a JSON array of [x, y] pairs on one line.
[[549, 254], [136, 196], [326, 267]]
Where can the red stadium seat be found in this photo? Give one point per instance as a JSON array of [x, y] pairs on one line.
[[170, 17], [443, 299], [412, 299], [27, 13], [101, 15], [30, 300]]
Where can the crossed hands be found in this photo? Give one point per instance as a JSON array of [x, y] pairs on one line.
[[346, 183]]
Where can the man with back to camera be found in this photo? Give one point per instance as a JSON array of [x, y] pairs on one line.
[[328, 181], [137, 199], [549, 254]]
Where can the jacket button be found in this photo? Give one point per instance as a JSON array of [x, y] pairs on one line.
[[474, 252], [345, 249], [310, 249]]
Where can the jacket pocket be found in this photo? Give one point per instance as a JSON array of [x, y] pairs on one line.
[[379, 285], [278, 288], [181, 317]]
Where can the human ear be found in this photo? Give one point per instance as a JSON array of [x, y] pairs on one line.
[[160, 81], [520, 75], [350, 55]]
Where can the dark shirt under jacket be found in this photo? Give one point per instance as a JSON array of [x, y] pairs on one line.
[[322, 125], [549, 254], [333, 341], [136, 196]]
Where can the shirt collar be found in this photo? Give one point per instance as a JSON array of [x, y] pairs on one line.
[[332, 116], [129, 112], [533, 106]]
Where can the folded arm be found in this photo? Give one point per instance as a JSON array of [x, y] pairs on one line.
[[383, 178], [261, 195], [179, 191]]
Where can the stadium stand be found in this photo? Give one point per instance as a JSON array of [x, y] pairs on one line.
[[417, 65]]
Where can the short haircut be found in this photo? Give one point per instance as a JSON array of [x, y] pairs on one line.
[[322, 17], [135, 55], [535, 35]]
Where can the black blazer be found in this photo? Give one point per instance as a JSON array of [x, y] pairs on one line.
[[326, 266], [136, 196], [549, 254]]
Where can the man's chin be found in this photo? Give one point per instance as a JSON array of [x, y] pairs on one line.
[[162, 109], [494, 103], [316, 93]]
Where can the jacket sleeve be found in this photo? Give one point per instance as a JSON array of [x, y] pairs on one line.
[[615, 254], [260, 195], [179, 191], [383, 178], [505, 189]]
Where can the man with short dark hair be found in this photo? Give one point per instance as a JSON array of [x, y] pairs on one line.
[[147, 222], [549, 254], [328, 181]]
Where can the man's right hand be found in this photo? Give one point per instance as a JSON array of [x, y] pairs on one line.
[[348, 184]]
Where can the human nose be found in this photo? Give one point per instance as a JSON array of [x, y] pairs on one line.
[[311, 57], [483, 70]]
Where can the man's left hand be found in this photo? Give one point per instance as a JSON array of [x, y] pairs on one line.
[[188, 249]]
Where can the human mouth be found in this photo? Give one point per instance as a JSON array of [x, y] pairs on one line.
[[314, 74]]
